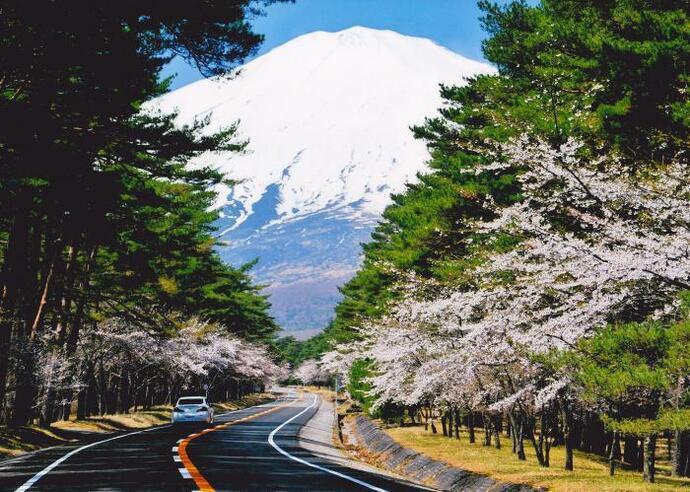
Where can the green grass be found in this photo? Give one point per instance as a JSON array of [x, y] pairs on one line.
[[590, 474]]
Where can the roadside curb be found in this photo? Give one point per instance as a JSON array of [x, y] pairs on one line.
[[387, 453]]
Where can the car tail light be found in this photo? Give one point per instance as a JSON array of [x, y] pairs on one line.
[[202, 409], [178, 410]]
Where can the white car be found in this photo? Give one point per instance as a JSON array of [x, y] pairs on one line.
[[192, 409]]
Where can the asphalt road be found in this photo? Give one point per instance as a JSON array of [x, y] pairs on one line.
[[251, 449]]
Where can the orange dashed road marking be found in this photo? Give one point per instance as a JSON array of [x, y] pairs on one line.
[[203, 484]]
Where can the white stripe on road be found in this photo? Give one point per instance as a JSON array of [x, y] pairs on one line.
[[27, 485], [300, 460], [184, 472]]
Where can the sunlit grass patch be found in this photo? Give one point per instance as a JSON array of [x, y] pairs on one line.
[[590, 474], [246, 401], [24, 439], [108, 423]]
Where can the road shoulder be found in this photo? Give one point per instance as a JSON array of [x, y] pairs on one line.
[[318, 436]]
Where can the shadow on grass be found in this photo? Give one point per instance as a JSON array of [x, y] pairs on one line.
[[22, 439]]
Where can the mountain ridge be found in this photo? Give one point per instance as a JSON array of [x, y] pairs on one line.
[[327, 116]]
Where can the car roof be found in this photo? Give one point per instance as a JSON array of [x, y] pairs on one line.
[[191, 398]]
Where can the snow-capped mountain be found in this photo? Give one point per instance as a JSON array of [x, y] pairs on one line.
[[327, 116]]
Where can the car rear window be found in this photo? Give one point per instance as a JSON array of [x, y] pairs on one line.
[[191, 401]]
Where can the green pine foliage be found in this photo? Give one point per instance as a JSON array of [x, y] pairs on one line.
[[100, 215]]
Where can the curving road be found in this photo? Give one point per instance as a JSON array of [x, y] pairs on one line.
[[252, 449]]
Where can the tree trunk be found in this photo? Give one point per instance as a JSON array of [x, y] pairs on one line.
[[537, 447], [631, 450], [47, 412], [649, 469], [470, 426], [14, 271], [444, 424], [567, 430], [487, 430], [544, 445], [496, 430], [521, 442], [22, 412], [82, 399], [680, 453], [614, 452]]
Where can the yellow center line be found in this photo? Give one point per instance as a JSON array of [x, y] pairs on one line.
[[202, 484]]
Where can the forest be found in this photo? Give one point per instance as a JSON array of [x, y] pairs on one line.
[[113, 296], [536, 280]]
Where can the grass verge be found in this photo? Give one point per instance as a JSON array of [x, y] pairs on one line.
[[14, 442], [590, 474]]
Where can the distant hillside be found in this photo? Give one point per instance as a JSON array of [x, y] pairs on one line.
[[328, 117]]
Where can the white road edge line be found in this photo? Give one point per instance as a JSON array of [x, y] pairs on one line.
[[300, 460], [27, 485]]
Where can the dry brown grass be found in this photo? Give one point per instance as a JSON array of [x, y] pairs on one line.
[[109, 423], [247, 401], [326, 393], [590, 474]]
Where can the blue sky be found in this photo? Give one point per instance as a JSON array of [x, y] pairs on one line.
[[451, 23]]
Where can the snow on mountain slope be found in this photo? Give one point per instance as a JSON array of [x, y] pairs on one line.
[[327, 116]]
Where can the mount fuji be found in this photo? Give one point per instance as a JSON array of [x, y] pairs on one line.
[[327, 116]]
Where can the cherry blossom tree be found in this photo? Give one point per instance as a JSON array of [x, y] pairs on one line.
[[311, 372], [118, 366], [597, 241]]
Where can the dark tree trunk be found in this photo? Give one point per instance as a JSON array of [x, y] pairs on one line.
[[614, 452], [487, 430], [529, 425], [22, 412], [496, 430], [48, 410], [14, 272], [631, 451], [680, 453], [82, 399], [521, 441], [567, 431], [470, 427], [449, 418], [649, 470]]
